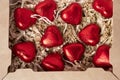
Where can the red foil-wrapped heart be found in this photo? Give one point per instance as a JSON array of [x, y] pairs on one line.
[[52, 37], [90, 35], [101, 57], [104, 7], [53, 62], [23, 18], [26, 51], [73, 51], [72, 14], [46, 8]]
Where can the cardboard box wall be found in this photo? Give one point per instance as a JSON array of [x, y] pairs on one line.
[[28, 74]]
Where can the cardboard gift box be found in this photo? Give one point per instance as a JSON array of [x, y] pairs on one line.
[[28, 74]]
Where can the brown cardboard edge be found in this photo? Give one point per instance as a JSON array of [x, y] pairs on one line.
[[90, 74], [4, 51], [27, 74], [115, 51]]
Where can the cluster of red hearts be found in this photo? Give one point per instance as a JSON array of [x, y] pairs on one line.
[[52, 37]]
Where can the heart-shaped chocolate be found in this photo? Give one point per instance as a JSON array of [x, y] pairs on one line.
[[53, 62], [73, 51], [72, 14], [101, 57], [90, 35], [23, 18], [46, 9], [26, 51], [52, 37], [104, 7]]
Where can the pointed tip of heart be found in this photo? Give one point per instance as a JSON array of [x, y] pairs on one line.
[[52, 37], [90, 35], [26, 51], [53, 62], [73, 51], [23, 18], [101, 57]]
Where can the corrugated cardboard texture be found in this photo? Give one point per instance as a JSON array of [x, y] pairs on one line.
[[90, 74]]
